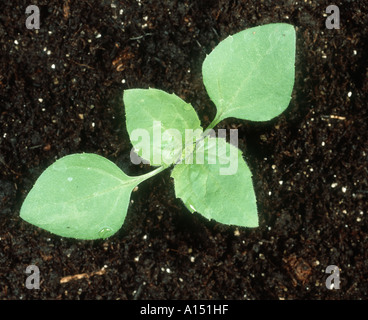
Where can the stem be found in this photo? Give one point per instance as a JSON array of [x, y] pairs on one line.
[[150, 174], [212, 125]]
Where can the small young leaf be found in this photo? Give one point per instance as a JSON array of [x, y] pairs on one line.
[[250, 75], [160, 120], [218, 184], [83, 196]]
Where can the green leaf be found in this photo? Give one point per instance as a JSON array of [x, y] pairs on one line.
[[218, 184], [156, 122], [83, 196], [250, 75]]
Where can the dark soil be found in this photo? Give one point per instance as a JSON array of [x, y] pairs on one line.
[[61, 92]]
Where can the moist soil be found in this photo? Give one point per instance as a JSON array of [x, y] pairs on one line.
[[61, 92]]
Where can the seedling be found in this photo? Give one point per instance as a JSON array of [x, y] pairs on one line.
[[248, 76]]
